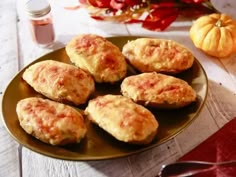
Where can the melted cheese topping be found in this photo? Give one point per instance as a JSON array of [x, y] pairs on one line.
[[60, 81], [51, 122], [159, 55], [122, 118], [159, 89], [98, 56]]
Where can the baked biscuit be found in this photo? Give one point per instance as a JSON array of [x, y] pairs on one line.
[[98, 56], [51, 122], [60, 81], [159, 55], [158, 90], [123, 119]]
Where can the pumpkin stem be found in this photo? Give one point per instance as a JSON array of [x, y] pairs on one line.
[[219, 23]]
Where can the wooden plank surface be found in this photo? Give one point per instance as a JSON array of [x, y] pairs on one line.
[[9, 156], [219, 108]]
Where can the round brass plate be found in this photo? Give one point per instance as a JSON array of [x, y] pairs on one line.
[[98, 144]]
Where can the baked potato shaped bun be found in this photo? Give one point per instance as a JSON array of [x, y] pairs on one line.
[[60, 81], [158, 90], [159, 55], [95, 54], [51, 122], [122, 118]]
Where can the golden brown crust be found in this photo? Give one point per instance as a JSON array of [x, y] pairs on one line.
[[60, 81], [158, 90], [51, 122], [123, 119], [159, 55], [98, 56]]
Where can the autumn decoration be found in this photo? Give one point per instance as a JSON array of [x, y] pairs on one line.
[[215, 34], [155, 15]]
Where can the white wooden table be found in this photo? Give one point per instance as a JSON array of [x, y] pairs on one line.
[[17, 50]]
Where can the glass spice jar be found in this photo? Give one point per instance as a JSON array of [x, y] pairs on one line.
[[41, 22]]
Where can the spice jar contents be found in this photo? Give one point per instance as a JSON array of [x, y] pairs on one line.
[[42, 31], [41, 23]]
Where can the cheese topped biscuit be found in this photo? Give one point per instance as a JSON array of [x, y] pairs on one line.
[[123, 119], [60, 81], [51, 122], [159, 55], [158, 90], [98, 56]]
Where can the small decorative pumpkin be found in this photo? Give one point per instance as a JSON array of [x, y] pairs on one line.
[[215, 34]]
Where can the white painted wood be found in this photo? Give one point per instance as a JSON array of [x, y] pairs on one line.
[[226, 6], [219, 108], [9, 157], [143, 164]]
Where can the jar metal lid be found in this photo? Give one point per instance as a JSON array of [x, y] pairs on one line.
[[37, 8]]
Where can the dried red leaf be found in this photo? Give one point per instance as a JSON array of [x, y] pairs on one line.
[[159, 19], [83, 1], [132, 2], [134, 21], [117, 4], [161, 13], [194, 11], [162, 4], [97, 17], [192, 1], [100, 3]]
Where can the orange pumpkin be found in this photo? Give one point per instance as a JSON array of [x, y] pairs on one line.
[[215, 34]]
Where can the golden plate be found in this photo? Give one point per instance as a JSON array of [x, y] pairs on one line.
[[98, 144]]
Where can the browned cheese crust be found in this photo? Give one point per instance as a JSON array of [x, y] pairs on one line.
[[160, 55], [98, 56], [51, 122], [123, 119], [60, 81], [158, 90]]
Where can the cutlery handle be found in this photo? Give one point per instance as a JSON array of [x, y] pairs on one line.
[[187, 168], [227, 163]]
